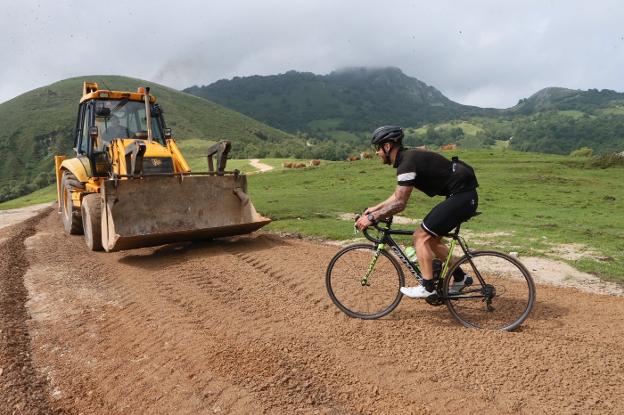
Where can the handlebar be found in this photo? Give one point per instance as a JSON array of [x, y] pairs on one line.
[[387, 222]]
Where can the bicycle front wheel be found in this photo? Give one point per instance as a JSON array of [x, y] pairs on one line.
[[362, 286], [500, 297]]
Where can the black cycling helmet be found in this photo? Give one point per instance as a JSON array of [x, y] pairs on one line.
[[387, 133]]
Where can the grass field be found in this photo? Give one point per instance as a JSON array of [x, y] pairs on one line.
[[533, 204], [194, 151], [467, 127], [47, 194]]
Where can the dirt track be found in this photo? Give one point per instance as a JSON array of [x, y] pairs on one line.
[[245, 326]]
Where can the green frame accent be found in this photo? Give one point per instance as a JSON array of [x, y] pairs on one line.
[[371, 266], [447, 262]]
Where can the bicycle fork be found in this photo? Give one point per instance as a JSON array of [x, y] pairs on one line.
[[371, 266]]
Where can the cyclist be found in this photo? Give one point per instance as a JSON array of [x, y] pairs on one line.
[[434, 175]]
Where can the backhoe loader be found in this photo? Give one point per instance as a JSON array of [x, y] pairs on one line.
[[129, 185]]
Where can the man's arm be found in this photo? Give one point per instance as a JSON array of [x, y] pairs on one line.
[[379, 206], [394, 204]]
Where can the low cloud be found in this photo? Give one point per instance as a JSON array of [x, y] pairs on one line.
[[485, 53]]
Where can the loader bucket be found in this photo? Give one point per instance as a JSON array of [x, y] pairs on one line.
[[154, 210]]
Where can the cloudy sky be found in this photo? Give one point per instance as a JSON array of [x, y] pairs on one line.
[[485, 53]]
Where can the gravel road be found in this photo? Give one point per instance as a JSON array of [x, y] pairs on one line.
[[244, 326]]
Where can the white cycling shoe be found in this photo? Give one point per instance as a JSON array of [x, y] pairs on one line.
[[416, 292]]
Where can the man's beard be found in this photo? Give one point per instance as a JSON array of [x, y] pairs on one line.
[[386, 158]]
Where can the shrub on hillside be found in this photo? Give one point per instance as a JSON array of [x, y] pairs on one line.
[[604, 161], [582, 152]]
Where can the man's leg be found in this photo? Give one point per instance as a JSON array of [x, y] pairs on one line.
[[425, 256], [439, 248], [442, 218], [441, 252], [424, 252]]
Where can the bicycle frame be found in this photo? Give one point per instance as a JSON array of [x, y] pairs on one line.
[[386, 240]]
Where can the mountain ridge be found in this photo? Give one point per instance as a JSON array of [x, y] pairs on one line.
[[361, 98], [408, 91]]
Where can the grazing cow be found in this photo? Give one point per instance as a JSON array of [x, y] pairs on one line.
[[315, 163], [449, 147], [366, 155], [299, 165], [353, 158], [287, 165]]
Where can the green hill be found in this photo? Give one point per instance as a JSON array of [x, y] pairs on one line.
[[350, 103], [331, 117], [354, 100], [39, 124], [563, 99]]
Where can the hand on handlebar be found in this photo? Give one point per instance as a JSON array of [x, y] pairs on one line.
[[362, 222]]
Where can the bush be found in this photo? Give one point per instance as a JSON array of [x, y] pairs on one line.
[[582, 152], [604, 161]]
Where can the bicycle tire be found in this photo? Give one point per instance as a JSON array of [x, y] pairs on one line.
[[343, 282], [507, 283]]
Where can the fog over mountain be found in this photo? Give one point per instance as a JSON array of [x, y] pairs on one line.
[[485, 53]]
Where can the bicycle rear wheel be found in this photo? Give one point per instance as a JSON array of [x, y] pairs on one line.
[[501, 296], [345, 273]]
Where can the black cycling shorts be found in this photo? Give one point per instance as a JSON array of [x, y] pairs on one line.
[[447, 215]]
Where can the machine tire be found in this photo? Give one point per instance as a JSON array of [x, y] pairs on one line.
[[72, 219], [91, 210]]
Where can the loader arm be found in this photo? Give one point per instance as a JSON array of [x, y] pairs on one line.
[[220, 150]]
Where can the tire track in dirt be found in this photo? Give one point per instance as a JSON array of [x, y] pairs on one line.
[[269, 268], [130, 310], [272, 362], [245, 324], [204, 306], [133, 322]]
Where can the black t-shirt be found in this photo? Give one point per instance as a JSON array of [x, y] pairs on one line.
[[433, 173]]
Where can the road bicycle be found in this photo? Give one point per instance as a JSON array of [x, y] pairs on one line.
[[363, 280]]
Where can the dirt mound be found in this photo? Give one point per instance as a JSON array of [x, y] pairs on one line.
[[245, 326], [22, 387]]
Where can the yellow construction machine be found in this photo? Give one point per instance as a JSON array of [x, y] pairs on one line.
[[129, 185]]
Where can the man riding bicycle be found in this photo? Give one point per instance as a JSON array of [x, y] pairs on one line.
[[434, 175]]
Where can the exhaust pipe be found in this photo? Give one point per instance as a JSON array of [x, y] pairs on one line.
[[148, 114]]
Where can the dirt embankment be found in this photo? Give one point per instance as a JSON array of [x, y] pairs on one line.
[[245, 326]]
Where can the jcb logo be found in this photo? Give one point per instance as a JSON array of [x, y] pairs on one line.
[[156, 162]]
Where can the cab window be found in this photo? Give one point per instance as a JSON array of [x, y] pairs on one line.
[[125, 119], [84, 132]]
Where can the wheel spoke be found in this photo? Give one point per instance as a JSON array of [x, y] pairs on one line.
[[500, 298], [344, 282]]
